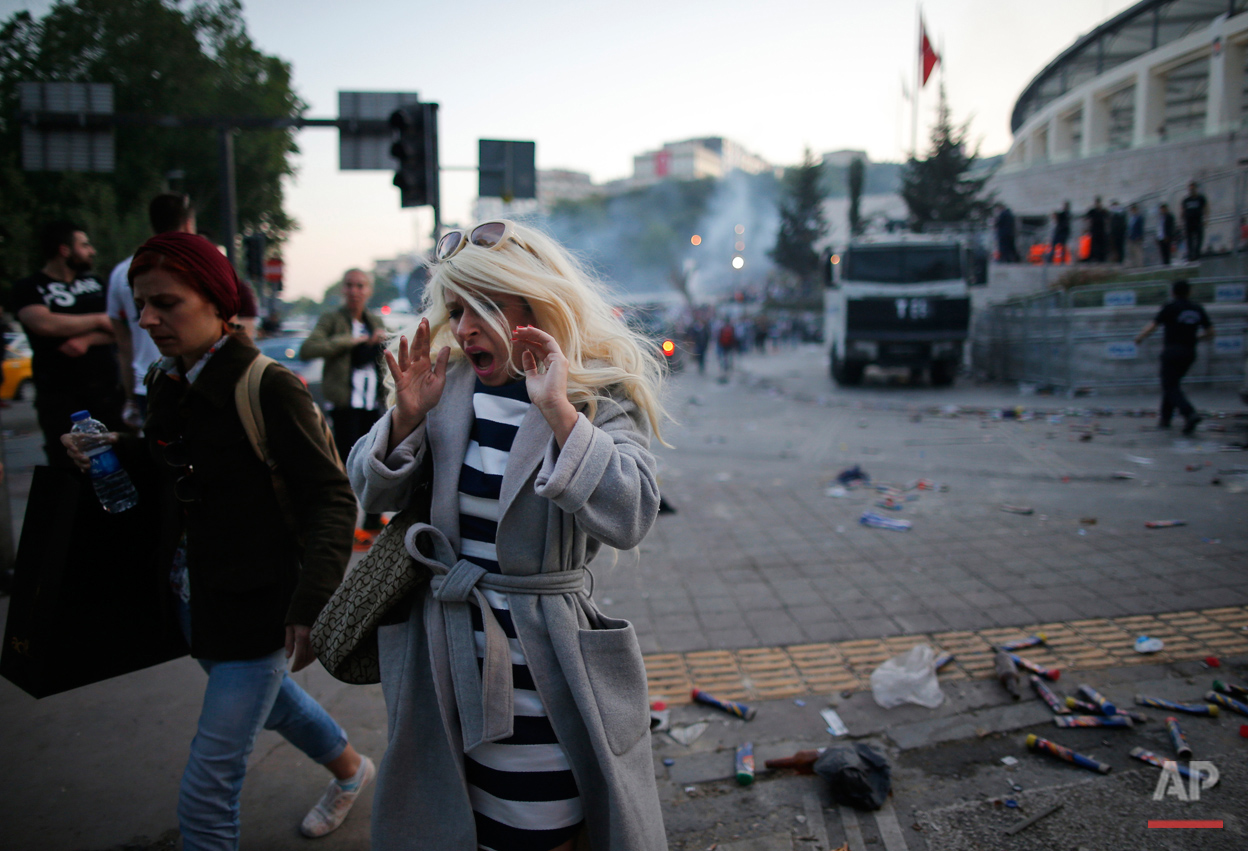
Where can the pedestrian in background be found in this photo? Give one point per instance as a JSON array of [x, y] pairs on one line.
[[1098, 231], [73, 357], [1165, 233], [249, 569], [1135, 236], [1061, 235], [167, 212], [1182, 320], [1195, 208], [1007, 247], [726, 343], [350, 340], [1117, 232], [538, 432]]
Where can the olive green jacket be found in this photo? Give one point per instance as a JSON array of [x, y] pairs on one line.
[[332, 339]]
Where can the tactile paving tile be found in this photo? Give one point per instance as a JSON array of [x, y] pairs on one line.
[[768, 673]]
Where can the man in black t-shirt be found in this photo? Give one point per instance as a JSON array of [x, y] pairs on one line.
[[73, 358], [1182, 320], [1195, 213]]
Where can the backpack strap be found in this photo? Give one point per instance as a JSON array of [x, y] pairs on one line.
[[247, 400]]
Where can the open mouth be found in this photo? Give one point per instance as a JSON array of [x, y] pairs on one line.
[[482, 361]]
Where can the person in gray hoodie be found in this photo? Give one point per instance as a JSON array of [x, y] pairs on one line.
[[518, 712]]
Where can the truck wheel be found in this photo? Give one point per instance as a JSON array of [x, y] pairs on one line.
[[847, 373], [943, 373]]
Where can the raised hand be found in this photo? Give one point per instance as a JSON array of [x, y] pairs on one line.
[[546, 378], [418, 381]]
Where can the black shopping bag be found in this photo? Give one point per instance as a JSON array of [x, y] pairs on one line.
[[90, 600]]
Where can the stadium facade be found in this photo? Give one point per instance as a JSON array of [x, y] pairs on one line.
[[1151, 99]]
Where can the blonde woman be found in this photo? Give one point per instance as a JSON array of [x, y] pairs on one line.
[[518, 712]]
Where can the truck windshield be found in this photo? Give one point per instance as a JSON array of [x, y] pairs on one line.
[[910, 264]]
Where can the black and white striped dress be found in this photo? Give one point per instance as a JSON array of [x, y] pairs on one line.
[[522, 790]]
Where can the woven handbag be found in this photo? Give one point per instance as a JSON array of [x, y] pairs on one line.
[[345, 633]]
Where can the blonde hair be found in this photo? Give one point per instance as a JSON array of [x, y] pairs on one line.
[[567, 302]]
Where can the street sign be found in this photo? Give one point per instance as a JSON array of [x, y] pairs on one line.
[[72, 132], [273, 271], [507, 169], [364, 132]]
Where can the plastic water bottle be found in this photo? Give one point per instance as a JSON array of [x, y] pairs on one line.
[[112, 483]]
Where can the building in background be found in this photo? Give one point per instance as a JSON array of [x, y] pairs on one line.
[[1146, 102], [693, 159]]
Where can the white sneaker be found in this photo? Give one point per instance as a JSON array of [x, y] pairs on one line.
[[332, 809]]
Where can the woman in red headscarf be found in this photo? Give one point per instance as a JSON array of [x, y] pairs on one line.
[[250, 569]]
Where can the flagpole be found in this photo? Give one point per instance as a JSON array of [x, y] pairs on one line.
[[918, 87]]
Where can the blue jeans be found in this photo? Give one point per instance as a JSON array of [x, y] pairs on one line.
[[240, 697]]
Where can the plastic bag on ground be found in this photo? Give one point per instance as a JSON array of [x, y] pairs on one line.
[[909, 678], [858, 775]]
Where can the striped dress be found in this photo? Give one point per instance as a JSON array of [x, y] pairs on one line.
[[522, 790]]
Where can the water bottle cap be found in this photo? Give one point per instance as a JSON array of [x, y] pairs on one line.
[[76, 416]]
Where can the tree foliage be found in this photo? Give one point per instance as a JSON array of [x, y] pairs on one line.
[[802, 226], [940, 188], [163, 57]]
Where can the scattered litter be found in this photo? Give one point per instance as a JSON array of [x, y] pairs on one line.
[[1114, 720], [1123, 474], [1023, 825], [1007, 674], [1088, 521], [1083, 531], [1017, 787], [1021, 643], [743, 764], [1099, 699], [890, 503], [1036, 743], [837, 491], [1177, 739], [1039, 670], [801, 819], [1144, 644], [723, 477], [942, 660], [738, 709], [1009, 760], [836, 726], [802, 762], [908, 678], [857, 774], [1230, 688], [1163, 524], [853, 475], [870, 518], [689, 790], [799, 703], [1211, 540], [1229, 702], [1189, 708], [689, 734], [1047, 695], [660, 720], [669, 762], [1141, 460], [1011, 803], [1243, 731], [1161, 762], [1018, 509], [1213, 661]]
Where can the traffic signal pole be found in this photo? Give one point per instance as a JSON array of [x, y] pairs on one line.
[[229, 197]]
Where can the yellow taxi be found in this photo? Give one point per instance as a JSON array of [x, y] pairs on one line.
[[17, 383]]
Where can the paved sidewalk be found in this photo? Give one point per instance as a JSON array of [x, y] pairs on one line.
[[759, 555]]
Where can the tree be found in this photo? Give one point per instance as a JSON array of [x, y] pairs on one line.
[[802, 226], [857, 173], [940, 188], [163, 57]]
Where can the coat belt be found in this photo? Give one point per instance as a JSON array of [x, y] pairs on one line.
[[484, 697]]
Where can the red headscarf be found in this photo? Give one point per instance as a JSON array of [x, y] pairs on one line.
[[212, 274]]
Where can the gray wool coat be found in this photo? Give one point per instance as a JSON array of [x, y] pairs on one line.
[[558, 506]]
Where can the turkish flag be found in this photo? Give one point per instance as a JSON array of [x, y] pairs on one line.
[[927, 53]]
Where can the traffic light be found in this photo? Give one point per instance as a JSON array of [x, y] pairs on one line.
[[416, 150], [254, 244]]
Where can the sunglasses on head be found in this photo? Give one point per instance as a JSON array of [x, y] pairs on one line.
[[485, 235]]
